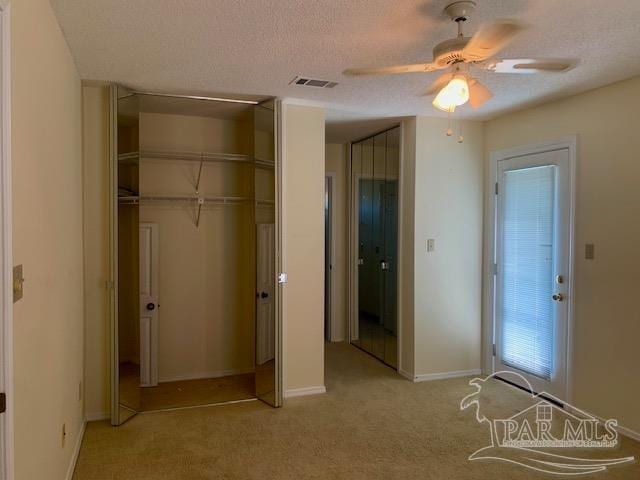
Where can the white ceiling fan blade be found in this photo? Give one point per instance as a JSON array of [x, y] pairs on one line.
[[478, 93], [416, 68], [490, 39], [438, 84], [531, 65]]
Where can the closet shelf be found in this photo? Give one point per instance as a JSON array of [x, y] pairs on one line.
[[133, 158]]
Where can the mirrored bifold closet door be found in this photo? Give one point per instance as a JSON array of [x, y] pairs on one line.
[[374, 246], [194, 228]]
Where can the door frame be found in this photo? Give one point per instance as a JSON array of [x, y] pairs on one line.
[[281, 230], [331, 178], [6, 250], [489, 257]]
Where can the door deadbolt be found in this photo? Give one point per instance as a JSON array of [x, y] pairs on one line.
[[558, 297], [151, 306]]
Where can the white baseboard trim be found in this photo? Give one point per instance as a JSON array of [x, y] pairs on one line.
[[427, 377], [97, 416], [201, 375], [76, 452], [301, 392], [407, 375]]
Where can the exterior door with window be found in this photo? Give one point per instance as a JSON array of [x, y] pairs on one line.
[[532, 268]]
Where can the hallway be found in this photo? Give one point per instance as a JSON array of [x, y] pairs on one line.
[[370, 424]]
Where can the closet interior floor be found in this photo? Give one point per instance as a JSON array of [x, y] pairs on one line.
[[187, 393]]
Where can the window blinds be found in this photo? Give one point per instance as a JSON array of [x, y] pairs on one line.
[[527, 266]]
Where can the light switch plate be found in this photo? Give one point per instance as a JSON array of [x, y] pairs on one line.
[[18, 282], [431, 245]]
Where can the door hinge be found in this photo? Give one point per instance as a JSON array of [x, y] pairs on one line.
[[496, 188], [494, 267], [109, 285], [282, 278], [3, 402], [494, 349]]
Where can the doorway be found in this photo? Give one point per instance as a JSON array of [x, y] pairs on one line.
[[194, 252], [532, 266]]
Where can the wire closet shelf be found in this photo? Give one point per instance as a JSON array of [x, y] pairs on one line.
[[132, 158]]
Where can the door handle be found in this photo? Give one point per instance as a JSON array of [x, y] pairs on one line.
[[151, 306], [264, 294], [558, 297], [384, 265]]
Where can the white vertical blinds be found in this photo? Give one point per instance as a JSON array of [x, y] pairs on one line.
[[527, 265]]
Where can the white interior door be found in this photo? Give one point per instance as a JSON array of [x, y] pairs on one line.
[[149, 304], [532, 257], [265, 291]]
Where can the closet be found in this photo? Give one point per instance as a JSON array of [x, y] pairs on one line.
[[374, 246], [194, 252]]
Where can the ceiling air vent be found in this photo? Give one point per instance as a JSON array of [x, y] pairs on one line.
[[312, 82]]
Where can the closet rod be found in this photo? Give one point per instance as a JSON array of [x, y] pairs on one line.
[[193, 97], [200, 157], [201, 200]]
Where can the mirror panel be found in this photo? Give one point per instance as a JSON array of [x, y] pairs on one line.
[[267, 378], [127, 331], [374, 180], [367, 298], [390, 293]]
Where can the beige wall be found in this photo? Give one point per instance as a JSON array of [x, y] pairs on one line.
[[606, 318], [441, 301], [47, 241], [95, 108], [303, 217], [448, 209], [336, 163], [206, 274], [406, 241]]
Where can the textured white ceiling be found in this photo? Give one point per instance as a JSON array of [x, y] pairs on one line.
[[257, 47]]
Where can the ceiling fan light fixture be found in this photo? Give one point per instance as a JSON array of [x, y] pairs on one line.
[[454, 94]]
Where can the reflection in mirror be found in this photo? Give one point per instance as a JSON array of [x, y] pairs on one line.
[[374, 167], [367, 275]]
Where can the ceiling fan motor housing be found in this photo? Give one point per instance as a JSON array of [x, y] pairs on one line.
[[449, 52], [461, 10]]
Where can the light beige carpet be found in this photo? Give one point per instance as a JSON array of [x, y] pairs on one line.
[[371, 424]]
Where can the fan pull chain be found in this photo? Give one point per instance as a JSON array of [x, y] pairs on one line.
[[460, 137], [449, 129]]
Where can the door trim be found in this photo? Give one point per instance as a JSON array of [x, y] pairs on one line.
[[489, 255], [6, 249]]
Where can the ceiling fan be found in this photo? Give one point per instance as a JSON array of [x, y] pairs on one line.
[[457, 55]]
